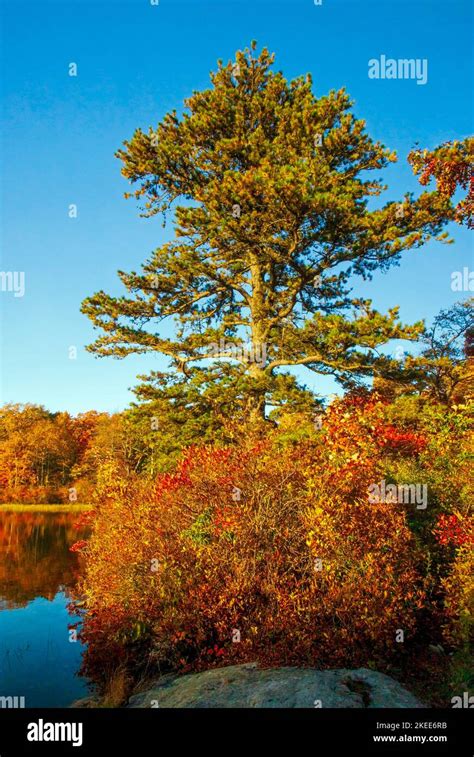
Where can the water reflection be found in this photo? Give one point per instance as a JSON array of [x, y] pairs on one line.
[[37, 572]]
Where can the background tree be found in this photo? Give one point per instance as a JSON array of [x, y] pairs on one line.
[[270, 190], [44, 454], [445, 368], [37, 449], [115, 438]]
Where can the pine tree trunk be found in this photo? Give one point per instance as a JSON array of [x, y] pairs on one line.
[[256, 401]]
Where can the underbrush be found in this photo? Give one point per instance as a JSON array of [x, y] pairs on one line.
[[270, 550]]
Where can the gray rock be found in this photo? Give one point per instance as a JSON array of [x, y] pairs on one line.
[[86, 702], [250, 686]]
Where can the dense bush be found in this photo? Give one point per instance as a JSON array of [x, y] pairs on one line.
[[271, 549]]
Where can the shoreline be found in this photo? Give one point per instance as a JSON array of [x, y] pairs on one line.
[[58, 508]]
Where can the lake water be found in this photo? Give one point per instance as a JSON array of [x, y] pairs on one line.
[[37, 571]]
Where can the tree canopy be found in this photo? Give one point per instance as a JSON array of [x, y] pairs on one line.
[[270, 188]]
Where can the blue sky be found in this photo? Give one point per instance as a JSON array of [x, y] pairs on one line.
[[137, 61]]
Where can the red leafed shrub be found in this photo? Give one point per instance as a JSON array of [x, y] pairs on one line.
[[454, 530], [398, 440], [271, 550], [360, 421], [78, 546], [253, 552]]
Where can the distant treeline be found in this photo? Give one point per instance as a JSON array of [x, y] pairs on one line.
[[48, 457]]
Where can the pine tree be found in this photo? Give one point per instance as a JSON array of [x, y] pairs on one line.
[[269, 187]]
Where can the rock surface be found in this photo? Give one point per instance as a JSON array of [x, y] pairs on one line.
[[249, 686]]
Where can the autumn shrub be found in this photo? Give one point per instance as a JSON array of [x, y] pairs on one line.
[[456, 535], [265, 550], [444, 532], [445, 459]]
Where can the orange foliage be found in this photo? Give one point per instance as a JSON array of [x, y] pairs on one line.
[[261, 551]]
